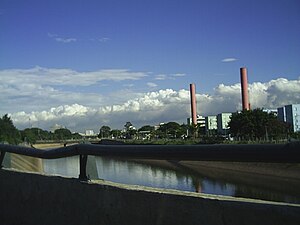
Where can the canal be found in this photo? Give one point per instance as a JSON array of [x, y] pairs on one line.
[[159, 176], [168, 175]]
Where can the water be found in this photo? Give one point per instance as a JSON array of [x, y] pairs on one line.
[[129, 172], [64, 166]]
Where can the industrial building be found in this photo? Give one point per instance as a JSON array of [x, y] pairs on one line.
[[222, 120], [219, 123], [211, 124], [291, 115], [273, 111], [200, 121]]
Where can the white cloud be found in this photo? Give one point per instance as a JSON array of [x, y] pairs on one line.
[[151, 84], [33, 95], [161, 77], [39, 88], [229, 59], [179, 75], [170, 76], [52, 35], [152, 106], [46, 76], [128, 85], [61, 39], [104, 39], [65, 40]]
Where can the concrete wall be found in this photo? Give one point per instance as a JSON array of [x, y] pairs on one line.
[[27, 198]]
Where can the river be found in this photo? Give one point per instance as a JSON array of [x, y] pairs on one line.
[[158, 176], [132, 172]]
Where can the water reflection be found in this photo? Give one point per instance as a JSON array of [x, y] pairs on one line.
[[146, 175], [68, 166], [129, 172]]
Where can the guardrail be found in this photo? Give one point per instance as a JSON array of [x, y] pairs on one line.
[[273, 153]]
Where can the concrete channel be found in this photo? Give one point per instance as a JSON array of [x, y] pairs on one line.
[[31, 198]]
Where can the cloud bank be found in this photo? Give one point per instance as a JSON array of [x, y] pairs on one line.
[[42, 97], [162, 106]]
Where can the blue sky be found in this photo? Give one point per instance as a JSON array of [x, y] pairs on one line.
[[161, 44]]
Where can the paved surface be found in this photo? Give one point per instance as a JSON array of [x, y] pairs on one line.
[[28, 198]]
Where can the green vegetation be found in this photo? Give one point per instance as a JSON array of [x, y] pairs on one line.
[[105, 132], [249, 126], [8, 132], [257, 125], [31, 135]]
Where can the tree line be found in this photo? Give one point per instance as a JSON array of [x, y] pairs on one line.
[[10, 134], [171, 130], [257, 125], [247, 125]]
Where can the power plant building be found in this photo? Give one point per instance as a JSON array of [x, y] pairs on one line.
[[222, 120], [291, 115], [211, 123], [200, 121]]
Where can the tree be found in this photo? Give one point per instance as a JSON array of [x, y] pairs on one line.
[[146, 132], [76, 136], [183, 130], [33, 134], [170, 130], [8, 132], [146, 128], [128, 126], [130, 130], [104, 132], [63, 134], [256, 125], [116, 133]]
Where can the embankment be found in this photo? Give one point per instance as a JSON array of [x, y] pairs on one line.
[[270, 176], [27, 198]]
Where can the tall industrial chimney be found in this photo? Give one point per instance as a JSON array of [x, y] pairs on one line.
[[244, 85], [193, 104]]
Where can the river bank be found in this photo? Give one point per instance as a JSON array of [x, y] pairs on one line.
[[254, 180], [270, 176], [31, 198]]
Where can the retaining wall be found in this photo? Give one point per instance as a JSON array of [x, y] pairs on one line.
[[28, 198]]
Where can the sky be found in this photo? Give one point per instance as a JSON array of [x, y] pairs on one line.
[[88, 63]]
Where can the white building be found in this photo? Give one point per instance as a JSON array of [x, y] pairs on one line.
[[291, 115], [89, 133], [211, 123], [200, 121], [222, 122], [273, 111]]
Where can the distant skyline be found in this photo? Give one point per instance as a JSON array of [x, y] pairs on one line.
[[84, 64]]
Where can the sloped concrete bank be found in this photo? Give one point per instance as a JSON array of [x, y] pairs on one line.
[[28, 198], [281, 177]]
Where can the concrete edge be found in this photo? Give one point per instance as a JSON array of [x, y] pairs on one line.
[[173, 192]]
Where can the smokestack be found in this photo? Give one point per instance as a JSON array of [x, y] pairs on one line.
[[193, 104], [244, 85]]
